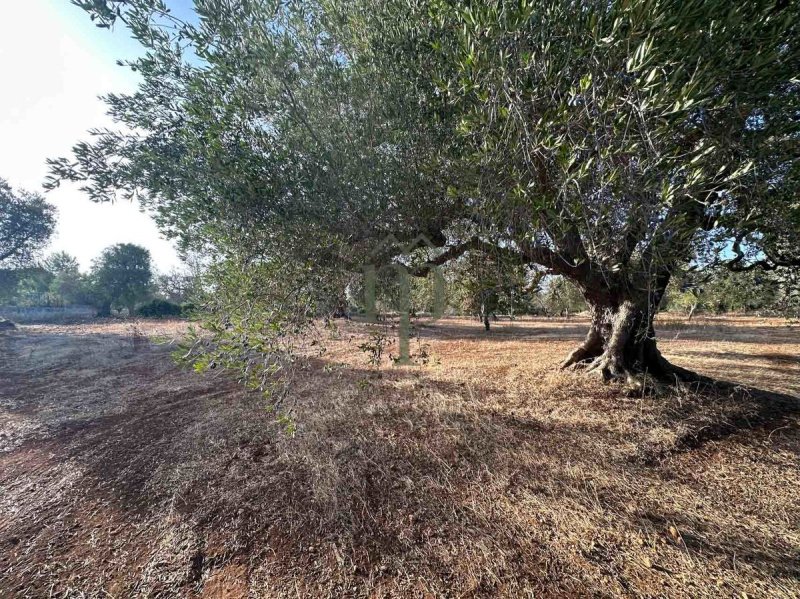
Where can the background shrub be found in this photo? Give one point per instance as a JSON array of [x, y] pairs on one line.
[[159, 308]]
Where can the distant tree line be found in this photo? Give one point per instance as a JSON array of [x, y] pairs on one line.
[[121, 279], [26, 223], [720, 291]]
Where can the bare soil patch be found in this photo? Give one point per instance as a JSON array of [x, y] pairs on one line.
[[484, 472]]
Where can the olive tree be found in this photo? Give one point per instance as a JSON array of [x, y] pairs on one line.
[[625, 140], [612, 143]]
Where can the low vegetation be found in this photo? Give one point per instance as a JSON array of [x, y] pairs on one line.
[[159, 308]]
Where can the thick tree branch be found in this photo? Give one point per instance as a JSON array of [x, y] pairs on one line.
[[767, 263], [524, 254]]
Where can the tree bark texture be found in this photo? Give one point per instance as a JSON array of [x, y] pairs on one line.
[[621, 341]]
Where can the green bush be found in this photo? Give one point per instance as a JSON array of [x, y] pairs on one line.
[[159, 308]]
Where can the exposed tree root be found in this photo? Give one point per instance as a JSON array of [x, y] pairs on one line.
[[651, 373], [610, 367], [620, 346], [582, 356], [592, 346]]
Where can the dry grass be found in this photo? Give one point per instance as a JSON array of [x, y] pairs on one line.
[[485, 472]]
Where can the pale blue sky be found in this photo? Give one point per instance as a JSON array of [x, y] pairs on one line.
[[53, 64]]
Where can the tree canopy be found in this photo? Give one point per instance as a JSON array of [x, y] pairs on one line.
[[612, 143], [122, 276], [26, 223], [68, 284]]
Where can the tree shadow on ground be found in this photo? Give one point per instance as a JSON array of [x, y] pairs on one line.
[[420, 467], [726, 332], [733, 356], [698, 414], [698, 536]]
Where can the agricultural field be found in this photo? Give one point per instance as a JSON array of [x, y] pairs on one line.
[[482, 470]]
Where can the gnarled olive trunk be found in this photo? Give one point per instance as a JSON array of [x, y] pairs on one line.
[[621, 342]]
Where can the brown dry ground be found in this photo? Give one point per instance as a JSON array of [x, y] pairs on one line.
[[485, 472]]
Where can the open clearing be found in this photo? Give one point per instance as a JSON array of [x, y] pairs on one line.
[[485, 472]]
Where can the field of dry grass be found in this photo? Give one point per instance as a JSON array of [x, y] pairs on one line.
[[483, 472]]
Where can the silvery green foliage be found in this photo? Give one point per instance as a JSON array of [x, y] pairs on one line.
[[609, 142], [612, 135]]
